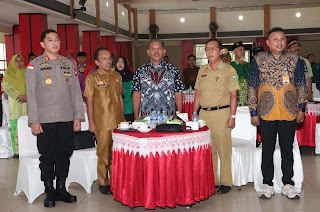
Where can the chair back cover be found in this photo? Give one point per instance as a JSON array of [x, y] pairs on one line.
[[27, 141]]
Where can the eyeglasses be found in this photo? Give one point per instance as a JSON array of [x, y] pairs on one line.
[[210, 48]]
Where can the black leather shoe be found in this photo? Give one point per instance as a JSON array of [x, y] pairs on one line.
[[224, 189], [105, 189], [62, 194], [217, 186], [50, 200]]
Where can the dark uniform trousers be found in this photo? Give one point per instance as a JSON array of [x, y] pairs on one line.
[[286, 131], [55, 145], [104, 153]]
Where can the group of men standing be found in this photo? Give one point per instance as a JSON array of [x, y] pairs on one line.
[[55, 105]]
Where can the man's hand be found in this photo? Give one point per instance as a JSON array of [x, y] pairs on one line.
[[310, 96], [255, 121], [77, 125], [300, 117], [231, 123], [22, 98], [36, 129], [92, 128]]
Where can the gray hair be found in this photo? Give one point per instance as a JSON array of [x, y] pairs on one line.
[[158, 40]]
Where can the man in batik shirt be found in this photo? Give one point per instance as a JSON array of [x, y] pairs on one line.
[[156, 85]]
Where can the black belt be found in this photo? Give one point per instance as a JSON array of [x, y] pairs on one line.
[[215, 108]]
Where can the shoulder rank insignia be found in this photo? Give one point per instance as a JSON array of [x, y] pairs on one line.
[[75, 70]]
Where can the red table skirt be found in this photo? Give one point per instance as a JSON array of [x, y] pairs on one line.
[[188, 108], [165, 180], [306, 130]]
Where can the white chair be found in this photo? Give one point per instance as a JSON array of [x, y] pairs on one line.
[[5, 143], [243, 138], [83, 165], [277, 181], [5, 110], [317, 149]]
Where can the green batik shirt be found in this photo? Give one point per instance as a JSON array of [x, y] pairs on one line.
[[243, 74]]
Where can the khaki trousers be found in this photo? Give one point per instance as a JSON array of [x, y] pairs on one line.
[[220, 143], [104, 153]]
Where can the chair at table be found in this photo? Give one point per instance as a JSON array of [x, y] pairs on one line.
[[243, 138], [277, 182], [83, 164]]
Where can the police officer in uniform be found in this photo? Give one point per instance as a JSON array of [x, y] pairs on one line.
[[217, 85], [55, 109], [104, 91]]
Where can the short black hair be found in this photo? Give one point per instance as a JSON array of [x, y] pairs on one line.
[[81, 54], [275, 29], [166, 56], [44, 33], [31, 54], [216, 40], [158, 40], [96, 52], [309, 55], [191, 55]]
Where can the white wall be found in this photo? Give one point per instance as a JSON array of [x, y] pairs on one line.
[[195, 21], [286, 17], [107, 13], [123, 19], [143, 23]]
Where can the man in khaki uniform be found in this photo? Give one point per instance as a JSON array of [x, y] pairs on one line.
[[217, 85], [55, 109], [104, 91]]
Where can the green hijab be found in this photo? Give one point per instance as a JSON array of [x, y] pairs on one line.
[[16, 77]]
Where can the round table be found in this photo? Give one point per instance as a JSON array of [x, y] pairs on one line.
[[162, 169], [188, 102], [307, 129]]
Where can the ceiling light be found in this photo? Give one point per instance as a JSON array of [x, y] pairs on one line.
[[182, 20], [107, 4], [240, 17], [122, 13], [298, 15]]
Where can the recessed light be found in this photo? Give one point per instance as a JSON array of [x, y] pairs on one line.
[[182, 20], [240, 17], [298, 15], [122, 13], [107, 4]]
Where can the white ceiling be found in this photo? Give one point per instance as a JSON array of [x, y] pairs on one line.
[[193, 4]]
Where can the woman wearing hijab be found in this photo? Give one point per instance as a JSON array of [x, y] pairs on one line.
[[127, 75], [14, 85]]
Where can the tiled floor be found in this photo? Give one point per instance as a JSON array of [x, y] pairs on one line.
[[244, 200]]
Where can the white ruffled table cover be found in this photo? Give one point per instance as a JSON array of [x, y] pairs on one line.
[[162, 145], [313, 109], [5, 143], [5, 110]]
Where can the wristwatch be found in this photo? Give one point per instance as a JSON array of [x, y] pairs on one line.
[[232, 116]]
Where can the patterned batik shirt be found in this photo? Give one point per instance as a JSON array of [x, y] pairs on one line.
[[158, 86], [277, 87]]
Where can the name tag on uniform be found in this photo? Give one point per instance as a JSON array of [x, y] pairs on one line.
[[45, 68], [286, 80], [101, 84]]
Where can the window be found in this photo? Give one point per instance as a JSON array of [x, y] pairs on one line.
[[200, 55], [202, 58], [3, 62]]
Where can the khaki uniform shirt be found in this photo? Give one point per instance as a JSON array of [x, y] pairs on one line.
[[53, 91], [216, 85], [106, 92]]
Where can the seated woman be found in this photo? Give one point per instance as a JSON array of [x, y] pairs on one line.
[[14, 85], [127, 76]]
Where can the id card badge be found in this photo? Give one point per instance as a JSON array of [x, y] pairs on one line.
[[285, 77]]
